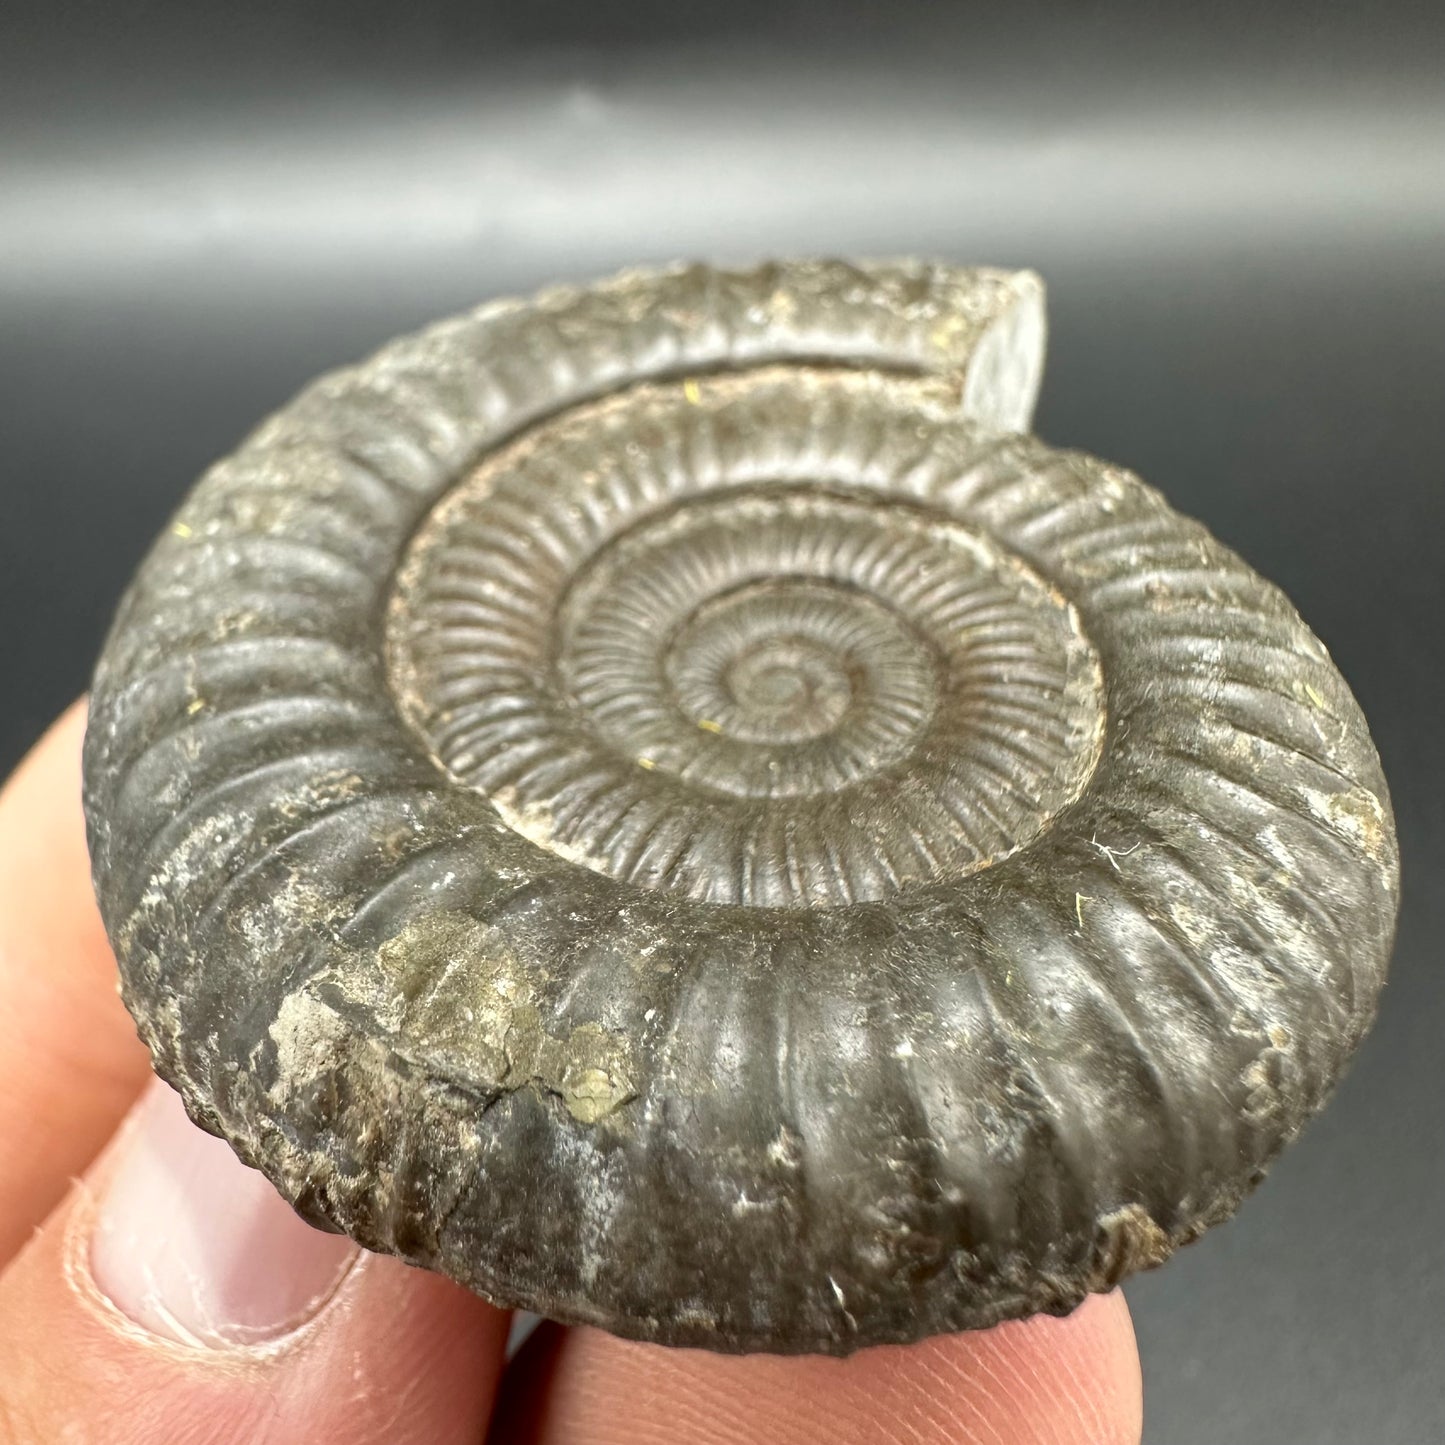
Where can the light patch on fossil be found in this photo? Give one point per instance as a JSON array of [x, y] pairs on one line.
[[450, 992], [1357, 814]]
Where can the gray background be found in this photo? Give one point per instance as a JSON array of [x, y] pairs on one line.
[[1241, 221]]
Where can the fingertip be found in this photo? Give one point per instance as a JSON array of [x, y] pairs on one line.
[[1042, 1381], [1106, 1352], [1046, 1379]]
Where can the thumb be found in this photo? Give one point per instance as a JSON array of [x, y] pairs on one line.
[[174, 1296]]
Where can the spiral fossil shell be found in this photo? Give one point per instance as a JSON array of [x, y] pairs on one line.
[[663, 803]]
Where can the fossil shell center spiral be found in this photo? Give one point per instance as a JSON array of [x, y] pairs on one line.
[[668, 648]]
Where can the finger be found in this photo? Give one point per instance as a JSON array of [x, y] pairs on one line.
[[1042, 1381], [174, 1297], [70, 1062]]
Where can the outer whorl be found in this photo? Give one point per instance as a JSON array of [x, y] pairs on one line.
[[662, 803]]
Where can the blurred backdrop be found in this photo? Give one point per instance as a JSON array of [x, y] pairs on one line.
[[1240, 215]]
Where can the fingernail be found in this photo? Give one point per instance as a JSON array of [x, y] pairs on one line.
[[197, 1248]]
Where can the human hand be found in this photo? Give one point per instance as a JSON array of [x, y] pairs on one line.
[[154, 1291]]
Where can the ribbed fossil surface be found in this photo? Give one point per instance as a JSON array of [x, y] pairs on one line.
[[662, 803]]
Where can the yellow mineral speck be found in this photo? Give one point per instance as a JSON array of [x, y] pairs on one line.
[[194, 706], [590, 1095], [181, 530], [692, 391], [591, 1069], [708, 725], [1360, 816], [1314, 694], [646, 763]]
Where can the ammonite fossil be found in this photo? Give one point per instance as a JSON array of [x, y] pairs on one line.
[[663, 803]]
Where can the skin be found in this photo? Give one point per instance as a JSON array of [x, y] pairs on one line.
[[393, 1354]]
